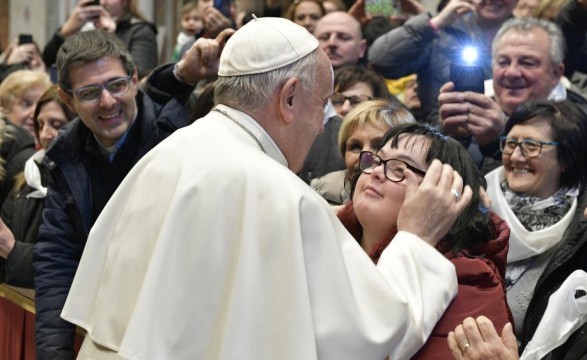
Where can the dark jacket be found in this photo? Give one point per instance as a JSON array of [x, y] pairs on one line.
[[324, 156], [139, 36], [570, 256], [480, 274], [17, 147], [23, 216], [572, 21], [70, 211]]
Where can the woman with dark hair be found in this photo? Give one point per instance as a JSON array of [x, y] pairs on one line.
[[540, 191], [354, 84], [476, 244], [21, 212]]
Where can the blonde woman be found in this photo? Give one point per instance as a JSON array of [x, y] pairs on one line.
[[361, 130]]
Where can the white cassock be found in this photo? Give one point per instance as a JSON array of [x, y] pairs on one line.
[[212, 249]]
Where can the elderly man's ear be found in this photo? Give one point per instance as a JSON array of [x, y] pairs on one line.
[[289, 95]]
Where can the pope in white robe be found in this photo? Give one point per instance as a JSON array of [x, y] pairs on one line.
[[212, 248]]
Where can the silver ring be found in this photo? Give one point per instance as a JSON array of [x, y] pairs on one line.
[[456, 194], [465, 347]]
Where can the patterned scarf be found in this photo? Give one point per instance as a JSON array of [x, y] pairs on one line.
[[535, 214]]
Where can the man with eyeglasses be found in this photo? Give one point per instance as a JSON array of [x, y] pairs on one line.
[[117, 125], [212, 247]]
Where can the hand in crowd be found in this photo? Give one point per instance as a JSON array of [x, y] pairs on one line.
[[202, 59], [452, 11], [80, 15], [105, 21], [477, 339], [417, 216], [358, 12], [215, 21], [27, 54], [463, 113], [412, 7], [6, 240]]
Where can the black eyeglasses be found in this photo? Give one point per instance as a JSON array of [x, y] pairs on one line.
[[530, 148], [90, 93], [393, 168], [338, 99]]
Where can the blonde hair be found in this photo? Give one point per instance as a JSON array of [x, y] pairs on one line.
[[19, 82], [133, 9], [376, 112]]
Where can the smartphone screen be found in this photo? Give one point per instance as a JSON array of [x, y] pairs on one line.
[[467, 77], [382, 7], [25, 39]]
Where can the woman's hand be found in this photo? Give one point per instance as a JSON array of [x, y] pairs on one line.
[[80, 15], [477, 339]]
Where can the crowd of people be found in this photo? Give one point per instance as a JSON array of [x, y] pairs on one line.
[[300, 180]]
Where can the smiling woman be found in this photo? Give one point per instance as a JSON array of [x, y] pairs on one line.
[[476, 244], [536, 191]]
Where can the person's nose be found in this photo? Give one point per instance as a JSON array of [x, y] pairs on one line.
[[47, 134], [346, 107], [332, 40], [378, 173], [517, 155], [512, 71], [107, 99]]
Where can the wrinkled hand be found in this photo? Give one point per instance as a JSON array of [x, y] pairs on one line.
[[201, 60], [484, 343], [452, 111], [6, 240], [451, 12], [468, 112], [80, 15], [215, 22], [430, 209]]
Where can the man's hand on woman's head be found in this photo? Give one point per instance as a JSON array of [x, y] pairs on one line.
[[431, 207]]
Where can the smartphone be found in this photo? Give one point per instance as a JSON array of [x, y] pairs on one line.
[[224, 7], [382, 7], [25, 39], [467, 77]]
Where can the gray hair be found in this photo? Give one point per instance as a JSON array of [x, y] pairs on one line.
[[250, 92], [524, 25]]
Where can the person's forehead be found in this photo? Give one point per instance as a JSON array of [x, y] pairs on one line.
[[338, 22], [524, 37], [96, 71]]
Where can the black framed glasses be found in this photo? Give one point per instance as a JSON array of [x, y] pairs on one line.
[[338, 99], [393, 168], [90, 93], [530, 148]]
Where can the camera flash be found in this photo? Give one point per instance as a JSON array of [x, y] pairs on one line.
[[469, 55]]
